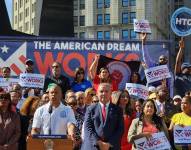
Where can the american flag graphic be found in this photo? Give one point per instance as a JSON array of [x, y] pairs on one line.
[[13, 55]]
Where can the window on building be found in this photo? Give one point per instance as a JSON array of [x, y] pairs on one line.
[[107, 35], [26, 1], [75, 21], [32, 22], [132, 34], [82, 20], [107, 19], [15, 19], [132, 2], [16, 6], [82, 35], [33, 6], [26, 12], [21, 16], [124, 34], [75, 4], [82, 4], [125, 3], [99, 19], [100, 35], [75, 34], [26, 26], [21, 3], [132, 16], [125, 18], [100, 3], [107, 3]]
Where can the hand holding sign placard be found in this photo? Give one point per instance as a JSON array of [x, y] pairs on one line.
[[181, 21], [32, 80], [157, 141], [182, 135], [141, 26]]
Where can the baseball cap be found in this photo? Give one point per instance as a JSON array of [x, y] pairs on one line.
[[152, 89], [177, 97], [29, 61], [185, 65]]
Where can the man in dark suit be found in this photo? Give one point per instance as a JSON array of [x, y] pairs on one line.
[[104, 124]]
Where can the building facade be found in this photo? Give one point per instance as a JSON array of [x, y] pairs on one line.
[[26, 15]]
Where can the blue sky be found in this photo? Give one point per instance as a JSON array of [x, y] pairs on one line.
[[9, 7]]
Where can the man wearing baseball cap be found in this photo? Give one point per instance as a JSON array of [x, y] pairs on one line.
[[29, 64], [182, 72]]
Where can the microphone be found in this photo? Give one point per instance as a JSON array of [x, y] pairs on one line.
[[50, 109], [50, 112]]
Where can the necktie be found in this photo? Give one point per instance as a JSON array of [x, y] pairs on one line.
[[162, 109], [104, 112]]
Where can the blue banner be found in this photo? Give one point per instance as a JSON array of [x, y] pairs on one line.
[[71, 53]]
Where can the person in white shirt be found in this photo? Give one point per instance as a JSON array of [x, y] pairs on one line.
[[54, 118]]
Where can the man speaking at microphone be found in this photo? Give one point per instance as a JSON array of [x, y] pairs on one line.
[[54, 118]]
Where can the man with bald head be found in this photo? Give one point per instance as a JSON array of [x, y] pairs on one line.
[[103, 125], [57, 78], [57, 122]]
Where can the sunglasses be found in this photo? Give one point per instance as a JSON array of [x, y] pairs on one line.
[[92, 94], [72, 104], [80, 73], [55, 66], [95, 101]]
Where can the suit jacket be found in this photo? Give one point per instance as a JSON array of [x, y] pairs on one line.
[[109, 131]]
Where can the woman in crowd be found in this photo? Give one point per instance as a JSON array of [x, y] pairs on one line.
[[79, 83], [26, 114], [147, 124], [89, 93], [135, 78], [72, 102], [9, 124], [122, 99], [103, 76], [183, 118]]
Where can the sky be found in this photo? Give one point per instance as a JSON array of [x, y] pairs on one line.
[[9, 7]]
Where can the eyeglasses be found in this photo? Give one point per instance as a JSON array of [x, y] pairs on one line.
[[55, 66]]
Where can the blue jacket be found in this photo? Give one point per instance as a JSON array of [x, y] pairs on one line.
[[95, 129]]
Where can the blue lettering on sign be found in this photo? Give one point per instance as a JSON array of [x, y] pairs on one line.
[[181, 21]]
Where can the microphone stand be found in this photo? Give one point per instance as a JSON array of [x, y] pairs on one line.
[[50, 112]]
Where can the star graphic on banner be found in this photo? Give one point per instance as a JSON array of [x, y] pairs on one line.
[[4, 49]]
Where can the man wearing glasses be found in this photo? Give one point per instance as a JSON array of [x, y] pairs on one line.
[[57, 78]]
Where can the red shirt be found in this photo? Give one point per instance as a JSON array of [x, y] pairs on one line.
[[96, 83], [149, 127]]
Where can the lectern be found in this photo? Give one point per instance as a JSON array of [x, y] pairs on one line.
[[50, 142]]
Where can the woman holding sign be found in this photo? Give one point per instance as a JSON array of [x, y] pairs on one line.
[[147, 124], [184, 118]]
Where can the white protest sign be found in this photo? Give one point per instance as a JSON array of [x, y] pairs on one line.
[[7, 83], [142, 26], [137, 90], [157, 73], [157, 141], [182, 135], [32, 80]]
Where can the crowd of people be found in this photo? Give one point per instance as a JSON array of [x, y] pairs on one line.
[[94, 113]]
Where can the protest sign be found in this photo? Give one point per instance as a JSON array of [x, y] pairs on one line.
[[181, 21], [32, 80], [157, 141], [157, 73], [141, 26], [182, 135], [7, 83], [137, 90]]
